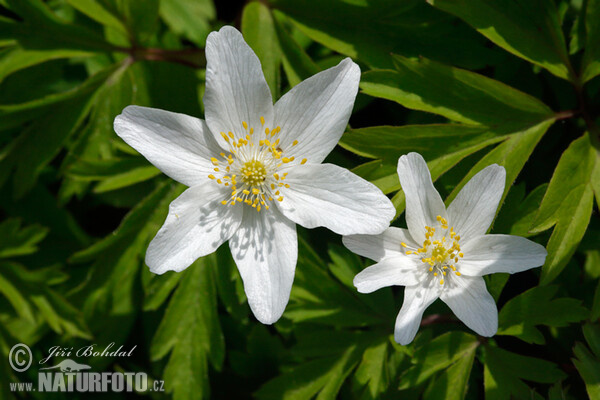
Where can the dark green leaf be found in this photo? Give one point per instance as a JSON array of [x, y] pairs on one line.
[[189, 18], [190, 330], [591, 58], [520, 315], [529, 29]]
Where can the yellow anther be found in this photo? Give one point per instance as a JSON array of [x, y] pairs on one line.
[[245, 124], [246, 192], [295, 142], [403, 244], [457, 273], [230, 134], [267, 131], [280, 198], [286, 160], [262, 120], [211, 176], [303, 161], [461, 255], [255, 191], [258, 208], [441, 281], [435, 274], [216, 169], [224, 202]]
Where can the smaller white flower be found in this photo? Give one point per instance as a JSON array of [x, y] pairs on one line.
[[254, 170], [444, 252]]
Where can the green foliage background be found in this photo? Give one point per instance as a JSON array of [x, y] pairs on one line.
[[466, 83]]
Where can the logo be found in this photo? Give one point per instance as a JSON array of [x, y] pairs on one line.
[[69, 366], [20, 357], [70, 376]]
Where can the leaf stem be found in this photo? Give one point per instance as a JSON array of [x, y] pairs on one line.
[[193, 58]]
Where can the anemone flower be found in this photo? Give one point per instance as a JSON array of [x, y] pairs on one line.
[[254, 171], [444, 252]]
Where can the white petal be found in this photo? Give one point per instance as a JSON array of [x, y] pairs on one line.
[[177, 144], [316, 111], [472, 211], [236, 89], [470, 301], [423, 202], [399, 271], [491, 254], [265, 250], [416, 299], [376, 247], [331, 196], [197, 225]]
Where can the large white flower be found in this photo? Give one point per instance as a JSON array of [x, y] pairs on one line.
[[444, 252], [254, 170]]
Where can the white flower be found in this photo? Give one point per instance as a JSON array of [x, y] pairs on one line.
[[254, 170], [444, 252]]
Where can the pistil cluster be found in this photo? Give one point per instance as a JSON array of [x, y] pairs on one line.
[[250, 166], [440, 250]]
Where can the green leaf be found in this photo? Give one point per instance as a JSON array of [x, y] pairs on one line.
[[297, 65], [521, 314], [17, 241], [456, 94], [259, 32], [409, 28], [318, 298], [511, 154], [15, 58], [372, 371], [529, 29], [34, 300], [591, 57], [436, 355], [189, 18], [12, 115], [190, 330], [504, 370], [568, 203], [42, 29], [451, 384], [589, 369], [323, 376], [99, 12], [591, 332]]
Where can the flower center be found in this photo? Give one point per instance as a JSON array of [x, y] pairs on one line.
[[250, 167], [440, 250]]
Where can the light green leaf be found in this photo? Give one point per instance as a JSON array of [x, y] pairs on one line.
[[372, 371], [98, 11], [511, 154], [454, 93], [529, 29], [259, 32], [189, 18], [190, 330], [589, 369], [591, 57], [17, 241], [436, 355], [568, 203], [521, 314], [451, 384]]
